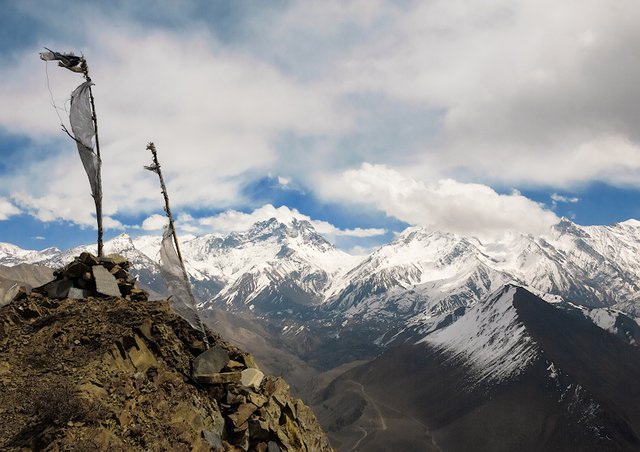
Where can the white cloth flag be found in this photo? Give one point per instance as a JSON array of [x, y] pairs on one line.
[[182, 300], [81, 118]]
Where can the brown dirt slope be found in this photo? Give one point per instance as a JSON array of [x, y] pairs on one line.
[[111, 374]]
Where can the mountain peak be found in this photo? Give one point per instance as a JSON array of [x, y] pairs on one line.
[[631, 222], [490, 336], [566, 226], [283, 231], [120, 243]]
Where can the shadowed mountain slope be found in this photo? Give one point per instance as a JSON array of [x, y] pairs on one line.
[[513, 373]]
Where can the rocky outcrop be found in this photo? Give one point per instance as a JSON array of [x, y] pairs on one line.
[[88, 275], [113, 374]]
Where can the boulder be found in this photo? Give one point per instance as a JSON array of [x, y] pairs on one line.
[[75, 269], [242, 414], [210, 362], [88, 259], [214, 440], [118, 259], [249, 361]]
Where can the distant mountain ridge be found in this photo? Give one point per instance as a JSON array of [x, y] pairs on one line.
[[417, 279]]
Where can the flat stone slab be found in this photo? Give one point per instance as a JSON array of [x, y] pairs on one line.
[[220, 378], [117, 259], [251, 378], [249, 361], [106, 283], [210, 362]]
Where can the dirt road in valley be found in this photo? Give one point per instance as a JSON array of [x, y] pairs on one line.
[[382, 424]]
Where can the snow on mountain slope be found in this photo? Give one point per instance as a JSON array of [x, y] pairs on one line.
[[419, 276], [439, 272], [231, 256], [273, 262], [490, 337], [12, 255]]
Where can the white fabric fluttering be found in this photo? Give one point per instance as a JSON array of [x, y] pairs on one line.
[[81, 118], [178, 286], [67, 60]]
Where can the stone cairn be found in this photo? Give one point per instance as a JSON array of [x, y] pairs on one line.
[[91, 276]]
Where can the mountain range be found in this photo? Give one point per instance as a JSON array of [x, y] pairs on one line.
[[434, 341], [415, 280]]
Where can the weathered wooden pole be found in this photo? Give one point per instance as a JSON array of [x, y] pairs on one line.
[[167, 208], [97, 198], [82, 136]]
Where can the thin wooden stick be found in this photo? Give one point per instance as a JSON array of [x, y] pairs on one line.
[[167, 208]]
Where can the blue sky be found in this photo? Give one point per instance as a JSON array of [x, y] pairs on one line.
[[364, 117]]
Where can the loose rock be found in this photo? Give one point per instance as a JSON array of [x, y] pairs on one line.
[[252, 378]]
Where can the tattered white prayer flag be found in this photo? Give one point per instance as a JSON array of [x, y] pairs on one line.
[[178, 285], [83, 127], [67, 60]]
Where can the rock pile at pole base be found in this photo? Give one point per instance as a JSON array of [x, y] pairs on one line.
[[107, 373], [91, 276]]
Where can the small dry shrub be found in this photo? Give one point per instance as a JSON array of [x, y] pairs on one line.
[[57, 403]]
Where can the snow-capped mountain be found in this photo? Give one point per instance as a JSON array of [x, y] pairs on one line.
[[419, 279], [418, 272], [428, 273], [512, 373], [273, 264], [490, 336]]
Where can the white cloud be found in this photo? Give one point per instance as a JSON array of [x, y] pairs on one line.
[[446, 205], [49, 208], [524, 92], [233, 220], [154, 222], [212, 113], [560, 198], [511, 92], [7, 209]]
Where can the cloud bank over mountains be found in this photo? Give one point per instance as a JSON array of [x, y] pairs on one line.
[[429, 112], [236, 221]]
